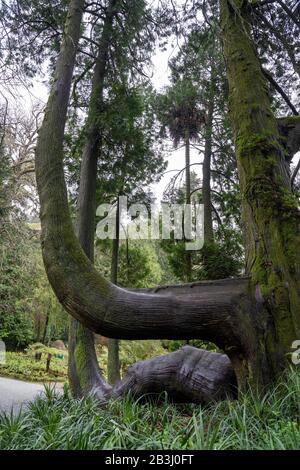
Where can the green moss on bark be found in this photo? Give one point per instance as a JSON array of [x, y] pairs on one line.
[[270, 210]]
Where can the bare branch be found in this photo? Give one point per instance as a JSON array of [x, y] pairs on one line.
[[278, 88]]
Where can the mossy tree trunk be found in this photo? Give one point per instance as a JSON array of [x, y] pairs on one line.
[[270, 211], [84, 373]]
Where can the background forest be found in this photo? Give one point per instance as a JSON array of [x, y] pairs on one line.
[[150, 142], [141, 127]]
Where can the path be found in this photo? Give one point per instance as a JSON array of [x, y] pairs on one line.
[[16, 393]]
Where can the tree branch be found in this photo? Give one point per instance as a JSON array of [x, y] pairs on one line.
[[295, 173], [289, 12], [284, 42], [280, 91]]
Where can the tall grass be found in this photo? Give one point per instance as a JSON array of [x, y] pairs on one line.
[[271, 421]]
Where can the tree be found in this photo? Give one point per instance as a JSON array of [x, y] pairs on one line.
[[200, 61], [254, 319], [129, 160], [82, 357], [96, 142], [183, 117], [270, 210]]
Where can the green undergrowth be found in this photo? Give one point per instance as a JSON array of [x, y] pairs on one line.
[[61, 422], [26, 367]]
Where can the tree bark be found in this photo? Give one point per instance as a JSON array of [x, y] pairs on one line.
[[270, 210], [113, 361], [206, 183], [187, 375], [188, 198], [84, 372], [254, 320]]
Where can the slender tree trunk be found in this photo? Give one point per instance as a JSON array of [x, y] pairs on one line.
[[187, 168], [48, 362], [206, 183], [46, 324], [188, 199], [84, 372], [38, 328], [127, 258], [113, 361]]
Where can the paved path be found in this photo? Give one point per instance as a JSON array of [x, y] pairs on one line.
[[16, 393]]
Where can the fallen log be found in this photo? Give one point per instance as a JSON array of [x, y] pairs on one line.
[[188, 375]]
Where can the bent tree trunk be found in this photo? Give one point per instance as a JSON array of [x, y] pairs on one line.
[[254, 320], [83, 369], [187, 375]]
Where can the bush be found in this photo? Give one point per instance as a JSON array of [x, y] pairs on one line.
[[26, 367], [175, 344], [131, 352]]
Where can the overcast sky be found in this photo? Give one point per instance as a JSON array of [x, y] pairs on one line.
[[26, 99]]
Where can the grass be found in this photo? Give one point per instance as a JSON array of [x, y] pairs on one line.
[[25, 367], [60, 422]]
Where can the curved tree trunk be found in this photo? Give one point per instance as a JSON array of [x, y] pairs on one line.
[[187, 375], [254, 320], [84, 372]]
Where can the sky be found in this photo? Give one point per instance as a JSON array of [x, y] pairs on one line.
[[176, 159], [38, 93]]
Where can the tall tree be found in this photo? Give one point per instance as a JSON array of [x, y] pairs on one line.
[[113, 361], [183, 117], [103, 137], [270, 211], [131, 159], [200, 60], [82, 357]]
